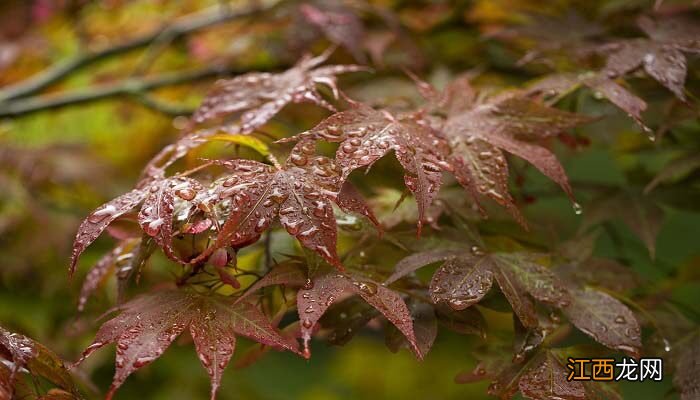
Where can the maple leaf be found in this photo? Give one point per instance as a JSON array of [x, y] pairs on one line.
[[25, 354], [661, 56], [467, 275], [601, 85], [551, 33], [156, 214], [640, 213], [99, 219], [159, 198], [257, 97], [366, 135], [313, 301], [338, 23], [98, 273], [478, 135], [299, 193], [425, 326], [605, 319], [147, 325], [601, 272], [675, 169], [324, 289], [546, 379]]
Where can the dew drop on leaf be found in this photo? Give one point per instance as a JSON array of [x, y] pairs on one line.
[[578, 210]]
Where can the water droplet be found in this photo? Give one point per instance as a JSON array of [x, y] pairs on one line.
[[298, 159], [667, 345], [476, 250], [102, 213], [651, 135], [309, 232], [620, 319], [578, 210], [458, 304], [348, 148], [230, 181], [368, 288], [141, 361], [186, 194], [309, 284], [153, 227]]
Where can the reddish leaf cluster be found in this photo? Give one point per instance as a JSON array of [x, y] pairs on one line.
[[460, 131], [467, 141]]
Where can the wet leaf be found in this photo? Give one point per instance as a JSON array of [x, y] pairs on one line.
[[601, 85], [425, 325], [605, 319], [99, 219], [478, 135], [344, 319], [156, 215], [462, 281], [546, 379], [415, 261], [467, 275], [6, 382], [640, 213], [243, 140], [98, 273], [366, 135], [506, 383], [257, 97], [314, 299], [537, 280], [523, 306], [680, 167], [662, 56], [338, 23], [602, 272], [526, 340], [300, 194], [35, 358], [147, 326]]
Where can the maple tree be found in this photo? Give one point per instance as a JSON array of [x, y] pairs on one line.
[[360, 257]]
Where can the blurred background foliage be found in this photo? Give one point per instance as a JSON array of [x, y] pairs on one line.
[[57, 165]]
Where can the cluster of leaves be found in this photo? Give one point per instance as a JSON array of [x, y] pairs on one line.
[[457, 138]]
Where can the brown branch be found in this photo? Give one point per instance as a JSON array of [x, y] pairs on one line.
[[180, 27], [133, 87]]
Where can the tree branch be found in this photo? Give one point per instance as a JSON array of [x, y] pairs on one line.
[[181, 27], [136, 87]]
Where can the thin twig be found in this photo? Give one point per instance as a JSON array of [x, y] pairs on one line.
[[183, 26]]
